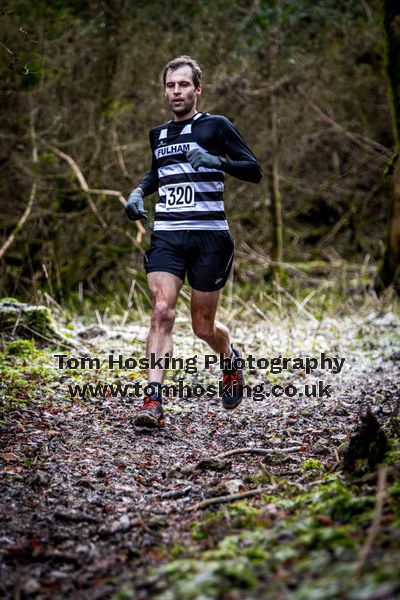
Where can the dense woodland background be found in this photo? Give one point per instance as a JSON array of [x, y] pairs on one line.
[[291, 497], [304, 82]]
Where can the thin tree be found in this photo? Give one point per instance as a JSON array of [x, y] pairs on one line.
[[389, 273], [276, 198]]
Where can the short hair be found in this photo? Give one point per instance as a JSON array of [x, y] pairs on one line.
[[182, 61]]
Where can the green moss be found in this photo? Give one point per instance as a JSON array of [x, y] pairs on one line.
[[325, 538], [394, 490], [312, 542], [393, 428], [197, 531], [242, 508], [260, 479], [25, 372], [345, 507], [392, 457], [177, 551], [28, 321], [312, 464], [22, 348], [394, 501], [191, 579], [227, 549], [126, 592], [270, 499]]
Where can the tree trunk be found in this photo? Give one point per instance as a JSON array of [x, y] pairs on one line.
[[276, 199], [389, 273]]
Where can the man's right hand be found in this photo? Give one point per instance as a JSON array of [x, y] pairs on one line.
[[134, 208]]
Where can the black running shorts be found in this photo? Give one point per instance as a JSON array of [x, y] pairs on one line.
[[205, 256]]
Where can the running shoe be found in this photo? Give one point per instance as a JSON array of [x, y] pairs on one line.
[[233, 382], [151, 414]]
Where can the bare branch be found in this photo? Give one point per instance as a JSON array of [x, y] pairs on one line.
[[375, 525], [20, 223], [297, 303], [8, 49], [232, 497], [361, 140], [84, 185], [264, 451], [32, 195], [109, 193], [120, 156], [135, 241]]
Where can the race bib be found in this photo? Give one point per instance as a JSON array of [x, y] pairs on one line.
[[179, 195]]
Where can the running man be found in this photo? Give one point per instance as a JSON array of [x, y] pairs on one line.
[[190, 156]]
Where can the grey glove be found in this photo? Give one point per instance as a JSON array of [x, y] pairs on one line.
[[134, 208], [201, 158]]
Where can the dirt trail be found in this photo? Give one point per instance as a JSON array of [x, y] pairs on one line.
[[88, 502]]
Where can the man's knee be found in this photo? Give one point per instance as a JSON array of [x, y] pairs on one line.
[[163, 315], [203, 330]]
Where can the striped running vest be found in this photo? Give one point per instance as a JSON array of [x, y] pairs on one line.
[[188, 199]]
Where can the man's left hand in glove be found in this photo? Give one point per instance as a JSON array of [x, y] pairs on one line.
[[134, 209], [201, 158]]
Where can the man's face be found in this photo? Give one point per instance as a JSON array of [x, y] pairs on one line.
[[180, 91]]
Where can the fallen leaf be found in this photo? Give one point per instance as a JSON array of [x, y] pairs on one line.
[[9, 456], [324, 519]]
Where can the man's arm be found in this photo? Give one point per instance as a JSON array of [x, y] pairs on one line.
[[241, 162], [134, 209], [149, 183]]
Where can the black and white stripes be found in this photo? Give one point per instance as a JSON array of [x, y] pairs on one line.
[[188, 199]]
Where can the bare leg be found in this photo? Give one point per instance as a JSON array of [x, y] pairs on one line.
[[204, 306], [164, 289], [203, 310]]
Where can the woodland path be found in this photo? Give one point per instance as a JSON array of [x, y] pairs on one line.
[[88, 503]]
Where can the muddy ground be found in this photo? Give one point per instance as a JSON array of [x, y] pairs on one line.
[[92, 507]]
